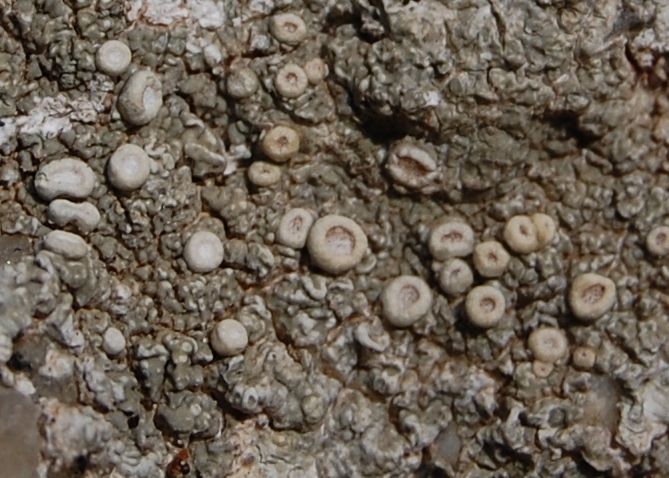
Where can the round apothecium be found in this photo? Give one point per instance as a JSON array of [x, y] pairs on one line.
[[294, 228], [113, 57], [65, 177], [520, 234], [113, 341], [336, 243], [546, 228], [263, 174], [591, 296], [66, 244], [485, 306], [291, 81], [451, 239], [405, 299], [584, 357], [657, 241], [203, 252], [128, 168], [141, 98], [316, 70], [242, 82], [280, 143], [288, 28], [229, 337], [490, 259], [542, 369], [84, 215], [455, 276], [548, 344], [411, 165]]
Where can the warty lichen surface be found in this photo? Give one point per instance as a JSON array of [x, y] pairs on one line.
[[402, 116]]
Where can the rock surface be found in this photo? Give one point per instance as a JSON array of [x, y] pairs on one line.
[[19, 435]]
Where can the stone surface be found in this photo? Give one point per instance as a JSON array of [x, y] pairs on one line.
[[19, 436]]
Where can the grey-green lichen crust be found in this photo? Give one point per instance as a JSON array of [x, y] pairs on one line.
[[403, 116]]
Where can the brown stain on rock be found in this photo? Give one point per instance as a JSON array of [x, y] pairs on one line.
[[14, 247]]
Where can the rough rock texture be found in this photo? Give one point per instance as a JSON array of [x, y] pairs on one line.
[[421, 111]]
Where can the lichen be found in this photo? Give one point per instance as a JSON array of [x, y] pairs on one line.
[[540, 128]]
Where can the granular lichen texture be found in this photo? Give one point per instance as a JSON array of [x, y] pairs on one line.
[[334, 239]]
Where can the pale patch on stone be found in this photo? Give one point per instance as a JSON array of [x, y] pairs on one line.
[[57, 365], [54, 115], [208, 13]]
